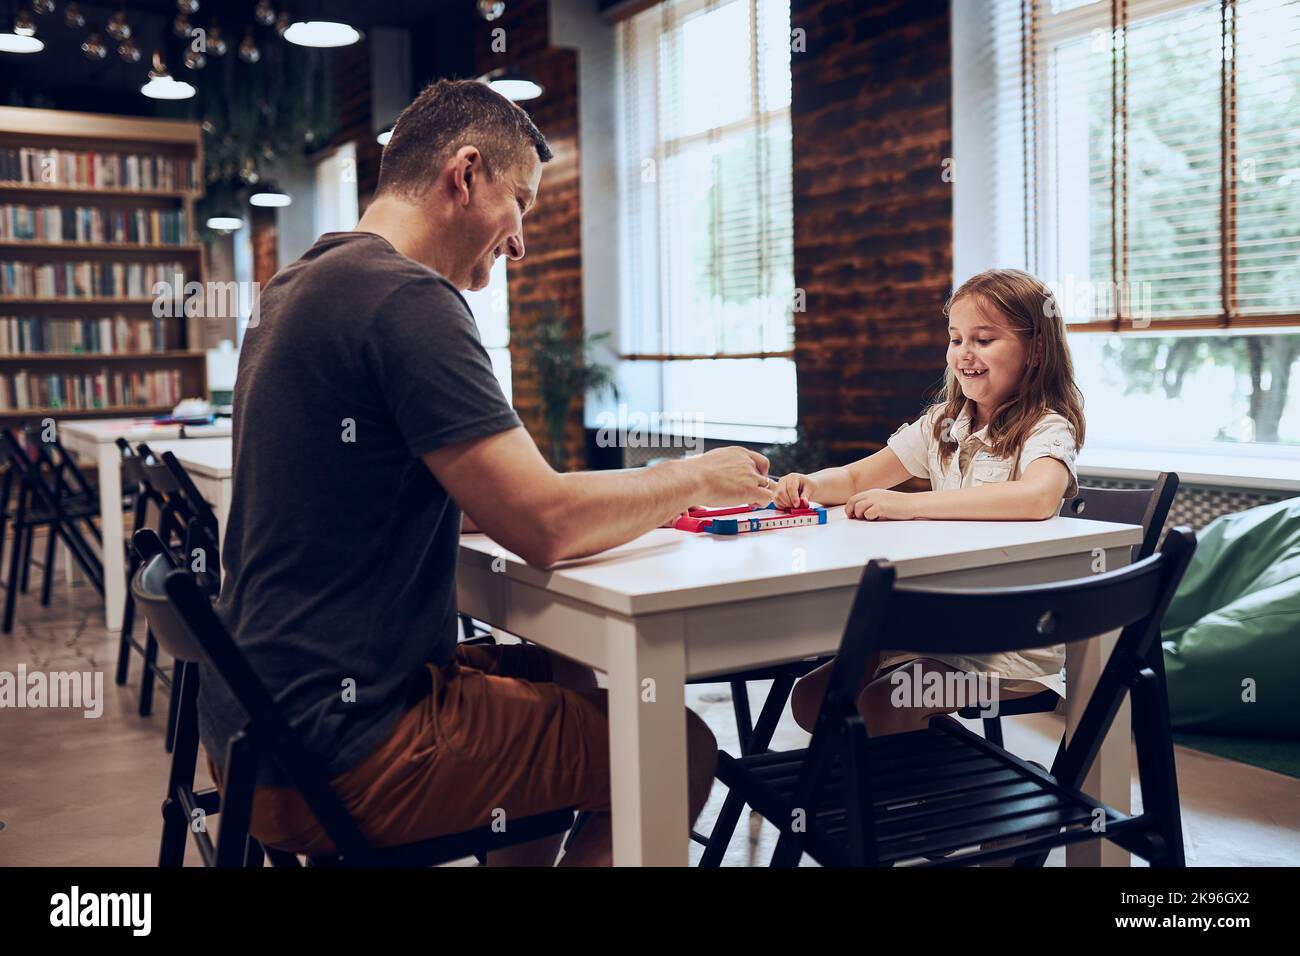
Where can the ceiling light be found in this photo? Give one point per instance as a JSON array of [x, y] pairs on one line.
[[117, 27], [162, 86], [269, 197], [216, 45], [384, 137], [225, 223], [248, 51], [17, 43], [23, 38], [514, 86], [322, 33], [94, 47]]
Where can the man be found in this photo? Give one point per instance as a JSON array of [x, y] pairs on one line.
[[367, 418]]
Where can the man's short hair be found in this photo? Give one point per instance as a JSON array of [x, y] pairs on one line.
[[447, 115]]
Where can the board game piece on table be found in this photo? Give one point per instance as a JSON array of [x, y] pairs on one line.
[[743, 519]]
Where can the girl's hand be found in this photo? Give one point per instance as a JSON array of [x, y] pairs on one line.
[[878, 504], [795, 491]]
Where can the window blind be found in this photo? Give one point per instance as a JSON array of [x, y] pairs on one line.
[[707, 263], [1158, 148]]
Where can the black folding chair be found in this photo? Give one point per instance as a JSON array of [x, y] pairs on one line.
[[182, 617], [1146, 507], [853, 800], [471, 633], [156, 485], [50, 493], [755, 738]]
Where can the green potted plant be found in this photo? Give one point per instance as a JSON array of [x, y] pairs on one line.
[[561, 360]]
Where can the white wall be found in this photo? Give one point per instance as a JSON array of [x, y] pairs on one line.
[[296, 223], [578, 25]]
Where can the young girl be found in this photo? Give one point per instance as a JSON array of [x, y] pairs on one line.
[[1000, 444]]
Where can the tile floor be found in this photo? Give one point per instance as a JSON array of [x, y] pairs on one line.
[[86, 792]]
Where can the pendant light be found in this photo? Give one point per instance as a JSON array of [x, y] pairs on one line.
[[93, 47], [515, 86], [162, 86], [117, 27], [225, 224], [267, 195], [22, 36], [321, 32]]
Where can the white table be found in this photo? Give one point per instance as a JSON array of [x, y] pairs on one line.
[[95, 440], [209, 462], [672, 605]]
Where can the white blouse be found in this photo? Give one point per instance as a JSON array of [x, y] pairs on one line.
[[971, 464]]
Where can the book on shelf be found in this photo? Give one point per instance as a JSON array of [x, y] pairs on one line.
[[55, 224], [90, 169], [79, 280], [82, 391], [107, 335]]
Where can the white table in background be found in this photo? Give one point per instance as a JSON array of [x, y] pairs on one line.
[[672, 605], [209, 463], [95, 440]]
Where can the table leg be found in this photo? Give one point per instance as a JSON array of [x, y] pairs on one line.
[[225, 489], [216, 492], [1110, 778], [110, 515], [647, 734]]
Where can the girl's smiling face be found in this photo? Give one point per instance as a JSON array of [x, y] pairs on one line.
[[985, 355]]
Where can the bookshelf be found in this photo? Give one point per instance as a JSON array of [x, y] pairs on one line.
[[93, 209]]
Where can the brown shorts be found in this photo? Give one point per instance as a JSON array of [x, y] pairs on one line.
[[493, 736]]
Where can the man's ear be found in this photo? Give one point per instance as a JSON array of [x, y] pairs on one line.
[[467, 167]]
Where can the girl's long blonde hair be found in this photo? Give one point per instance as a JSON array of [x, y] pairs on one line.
[[1030, 310]]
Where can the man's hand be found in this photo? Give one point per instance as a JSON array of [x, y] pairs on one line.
[[880, 504], [733, 474]]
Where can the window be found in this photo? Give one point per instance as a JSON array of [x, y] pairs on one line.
[[491, 308], [707, 248], [1145, 162], [336, 191]]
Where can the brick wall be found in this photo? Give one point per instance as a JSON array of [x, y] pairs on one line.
[[263, 233], [872, 215]]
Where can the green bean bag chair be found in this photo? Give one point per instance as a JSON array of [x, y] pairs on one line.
[[1232, 633]]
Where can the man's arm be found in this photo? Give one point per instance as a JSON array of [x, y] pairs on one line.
[[508, 491]]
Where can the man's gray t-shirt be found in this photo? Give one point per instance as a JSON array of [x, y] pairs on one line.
[[340, 551]]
